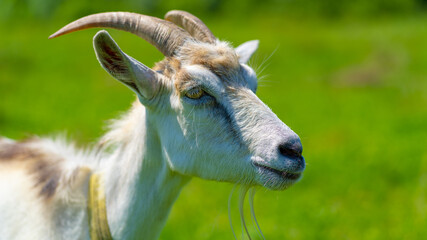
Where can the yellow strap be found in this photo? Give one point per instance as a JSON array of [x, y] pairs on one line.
[[98, 222]]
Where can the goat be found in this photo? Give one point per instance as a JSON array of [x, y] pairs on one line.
[[196, 115]]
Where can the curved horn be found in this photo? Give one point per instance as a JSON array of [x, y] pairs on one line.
[[192, 24], [165, 36]]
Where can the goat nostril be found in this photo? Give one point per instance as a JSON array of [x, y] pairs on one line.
[[291, 150]]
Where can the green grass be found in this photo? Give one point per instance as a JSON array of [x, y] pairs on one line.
[[355, 92]]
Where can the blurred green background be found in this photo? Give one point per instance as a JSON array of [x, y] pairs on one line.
[[350, 77]]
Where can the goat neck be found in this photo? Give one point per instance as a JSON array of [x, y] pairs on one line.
[[140, 187]]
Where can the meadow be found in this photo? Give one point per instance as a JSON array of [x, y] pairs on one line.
[[355, 90]]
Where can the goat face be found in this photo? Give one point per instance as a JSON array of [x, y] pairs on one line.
[[209, 121]]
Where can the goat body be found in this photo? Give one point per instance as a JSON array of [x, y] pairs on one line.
[[196, 115]]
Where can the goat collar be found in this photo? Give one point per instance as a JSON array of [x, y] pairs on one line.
[[97, 211]]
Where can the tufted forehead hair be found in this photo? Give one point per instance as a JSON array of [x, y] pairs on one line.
[[219, 58]]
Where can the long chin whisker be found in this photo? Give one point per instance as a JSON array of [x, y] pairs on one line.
[[244, 190], [251, 204]]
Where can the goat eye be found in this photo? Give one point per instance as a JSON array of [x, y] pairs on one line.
[[195, 93]]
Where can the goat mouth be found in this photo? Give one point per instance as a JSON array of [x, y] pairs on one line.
[[284, 174]]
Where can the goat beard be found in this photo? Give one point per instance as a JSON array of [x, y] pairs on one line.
[[244, 189]]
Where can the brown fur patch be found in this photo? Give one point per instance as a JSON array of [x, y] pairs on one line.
[[17, 151], [183, 81], [221, 59], [171, 66], [42, 166], [168, 66]]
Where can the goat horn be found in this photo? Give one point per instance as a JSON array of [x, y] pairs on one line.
[[164, 35], [192, 24]]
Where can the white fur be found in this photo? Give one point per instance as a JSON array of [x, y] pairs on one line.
[[150, 154]]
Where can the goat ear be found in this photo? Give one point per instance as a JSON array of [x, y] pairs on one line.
[[245, 50], [135, 75]]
